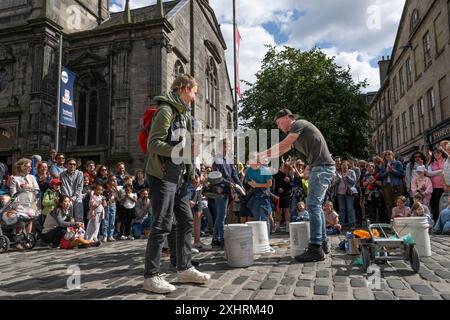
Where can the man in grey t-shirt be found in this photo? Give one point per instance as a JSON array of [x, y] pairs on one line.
[[307, 139]]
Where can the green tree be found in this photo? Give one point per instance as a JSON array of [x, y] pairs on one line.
[[312, 85]]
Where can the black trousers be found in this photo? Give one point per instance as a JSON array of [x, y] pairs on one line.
[[54, 236], [169, 200], [126, 216]]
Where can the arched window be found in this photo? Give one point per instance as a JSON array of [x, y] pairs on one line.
[[229, 121], [178, 69], [414, 20], [92, 114], [211, 94]]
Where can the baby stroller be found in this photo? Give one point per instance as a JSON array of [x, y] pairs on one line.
[[16, 213]]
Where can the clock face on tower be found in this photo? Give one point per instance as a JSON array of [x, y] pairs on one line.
[[4, 79]]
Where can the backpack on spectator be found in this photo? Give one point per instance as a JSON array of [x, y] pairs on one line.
[[146, 122]]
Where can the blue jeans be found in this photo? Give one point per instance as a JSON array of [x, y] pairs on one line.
[[443, 223], [319, 180], [109, 221], [138, 228], [346, 209], [220, 206]]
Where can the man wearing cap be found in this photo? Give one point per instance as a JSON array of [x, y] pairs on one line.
[[307, 139]]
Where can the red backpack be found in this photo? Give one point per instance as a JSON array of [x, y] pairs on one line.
[[146, 122]]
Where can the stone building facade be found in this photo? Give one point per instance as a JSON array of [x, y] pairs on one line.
[[122, 60], [411, 111]]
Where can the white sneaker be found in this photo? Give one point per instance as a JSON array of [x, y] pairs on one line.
[[123, 238], [195, 251], [105, 240], [111, 239], [157, 284], [192, 275], [130, 238]]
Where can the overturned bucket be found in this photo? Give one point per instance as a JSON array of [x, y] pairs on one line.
[[260, 237], [418, 228], [238, 245], [299, 237]]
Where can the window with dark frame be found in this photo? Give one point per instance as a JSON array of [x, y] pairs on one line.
[[409, 79], [178, 69], [397, 128], [405, 127], [411, 121], [414, 20], [211, 94], [395, 89], [427, 49], [443, 98], [432, 107], [421, 115], [401, 81]]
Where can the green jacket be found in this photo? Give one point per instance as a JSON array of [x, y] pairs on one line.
[[160, 148], [48, 201]]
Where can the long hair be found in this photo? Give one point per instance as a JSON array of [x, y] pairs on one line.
[[412, 160], [433, 158]]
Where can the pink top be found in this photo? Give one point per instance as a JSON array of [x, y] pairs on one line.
[[96, 205], [424, 185], [435, 171], [400, 213]]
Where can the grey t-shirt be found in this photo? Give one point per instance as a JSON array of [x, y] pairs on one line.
[[311, 143]]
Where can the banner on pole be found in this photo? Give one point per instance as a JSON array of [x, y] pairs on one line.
[[238, 44], [67, 112]]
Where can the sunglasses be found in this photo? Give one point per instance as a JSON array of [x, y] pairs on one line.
[[72, 164]]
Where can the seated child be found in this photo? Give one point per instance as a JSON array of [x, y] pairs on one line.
[[442, 226], [418, 209], [331, 218], [301, 213], [401, 210]]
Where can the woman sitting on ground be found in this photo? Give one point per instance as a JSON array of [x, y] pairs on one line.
[[57, 222]]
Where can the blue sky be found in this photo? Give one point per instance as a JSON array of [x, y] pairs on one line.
[[357, 32]]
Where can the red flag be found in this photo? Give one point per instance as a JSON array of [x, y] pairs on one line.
[[238, 43]]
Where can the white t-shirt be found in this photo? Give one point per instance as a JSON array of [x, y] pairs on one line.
[[128, 203]]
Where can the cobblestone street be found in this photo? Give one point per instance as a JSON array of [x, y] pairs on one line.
[[115, 271]]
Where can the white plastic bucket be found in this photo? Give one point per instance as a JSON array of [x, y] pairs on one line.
[[418, 228], [238, 245], [260, 237], [299, 237]]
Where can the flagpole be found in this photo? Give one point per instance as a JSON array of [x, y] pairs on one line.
[[235, 81], [58, 104]]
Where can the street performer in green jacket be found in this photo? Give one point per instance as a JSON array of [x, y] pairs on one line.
[[169, 169]]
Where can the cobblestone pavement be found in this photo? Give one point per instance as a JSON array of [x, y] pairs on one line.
[[115, 271]]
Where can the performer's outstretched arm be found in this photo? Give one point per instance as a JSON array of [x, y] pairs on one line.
[[280, 148]]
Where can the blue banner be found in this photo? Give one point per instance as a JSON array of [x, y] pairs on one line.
[[67, 112]]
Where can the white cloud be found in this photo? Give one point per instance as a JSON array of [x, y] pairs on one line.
[[360, 66], [253, 13], [252, 51], [347, 25], [342, 25], [115, 8]]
